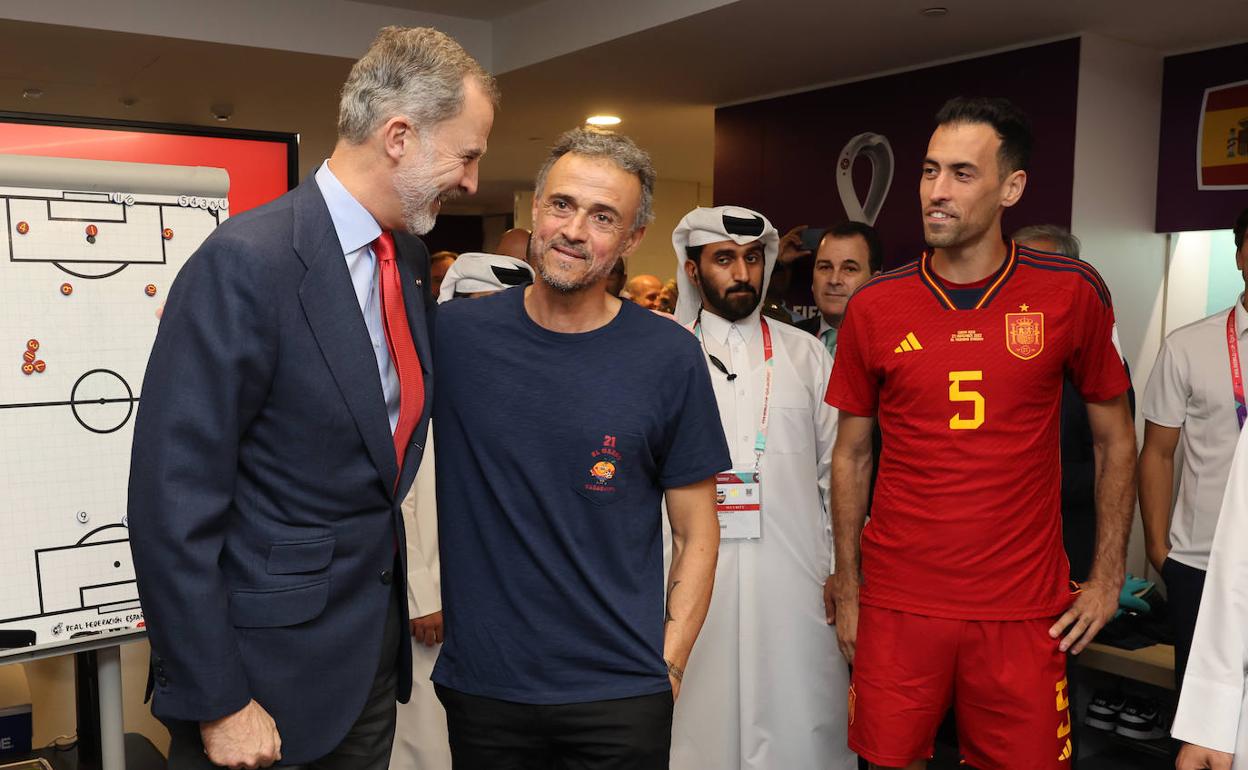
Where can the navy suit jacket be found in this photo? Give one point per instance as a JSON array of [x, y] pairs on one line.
[[263, 506]]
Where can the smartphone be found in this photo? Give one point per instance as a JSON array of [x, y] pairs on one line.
[[811, 236]]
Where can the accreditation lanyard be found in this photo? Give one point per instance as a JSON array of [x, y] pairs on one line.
[[769, 364], [1237, 373]]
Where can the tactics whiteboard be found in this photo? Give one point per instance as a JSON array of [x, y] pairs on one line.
[[88, 251]]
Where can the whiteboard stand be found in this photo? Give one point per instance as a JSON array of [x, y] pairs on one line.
[[112, 716]]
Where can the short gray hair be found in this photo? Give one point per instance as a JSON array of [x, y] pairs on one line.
[[1062, 239], [618, 149], [417, 72]]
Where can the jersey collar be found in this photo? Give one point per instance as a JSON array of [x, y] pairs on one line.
[[992, 287]]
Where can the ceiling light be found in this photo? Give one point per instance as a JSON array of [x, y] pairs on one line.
[[603, 120], [935, 11], [32, 93]]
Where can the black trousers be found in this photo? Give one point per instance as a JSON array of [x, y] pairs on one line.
[[623, 734], [1184, 587], [366, 745]]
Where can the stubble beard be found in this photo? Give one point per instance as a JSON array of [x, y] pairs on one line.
[[417, 194], [595, 271]]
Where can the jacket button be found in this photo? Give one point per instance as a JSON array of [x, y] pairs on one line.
[[162, 680], [386, 577]]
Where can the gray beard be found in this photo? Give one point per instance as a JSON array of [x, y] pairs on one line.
[[417, 195]]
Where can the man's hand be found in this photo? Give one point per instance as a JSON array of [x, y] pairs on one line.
[[1093, 608], [791, 246], [845, 595], [428, 629], [244, 740], [829, 600], [1198, 758]]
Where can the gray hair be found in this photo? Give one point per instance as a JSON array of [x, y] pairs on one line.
[[1062, 239], [618, 149], [417, 72]]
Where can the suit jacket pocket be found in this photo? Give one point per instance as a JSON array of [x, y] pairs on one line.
[[277, 607], [292, 558]]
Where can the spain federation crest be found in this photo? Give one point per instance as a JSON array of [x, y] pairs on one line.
[[1024, 334]]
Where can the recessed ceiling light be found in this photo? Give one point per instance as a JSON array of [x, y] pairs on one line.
[[32, 93], [935, 11], [603, 120]]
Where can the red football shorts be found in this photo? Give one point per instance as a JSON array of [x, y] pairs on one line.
[[1006, 681]]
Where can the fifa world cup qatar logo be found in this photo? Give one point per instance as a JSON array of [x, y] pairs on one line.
[[875, 148]]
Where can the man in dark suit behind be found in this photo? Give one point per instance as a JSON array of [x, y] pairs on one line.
[[849, 255], [283, 416]]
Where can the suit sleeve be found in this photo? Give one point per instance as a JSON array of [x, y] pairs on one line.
[[1211, 705], [206, 381]]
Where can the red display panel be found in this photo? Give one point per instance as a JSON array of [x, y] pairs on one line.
[[261, 165]]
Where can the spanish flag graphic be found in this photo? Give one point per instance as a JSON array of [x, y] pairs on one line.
[[1222, 155]]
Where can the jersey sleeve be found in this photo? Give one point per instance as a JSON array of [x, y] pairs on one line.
[[1165, 396], [853, 386], [1096, 365]]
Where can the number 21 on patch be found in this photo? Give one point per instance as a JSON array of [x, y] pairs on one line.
[[957, 394]]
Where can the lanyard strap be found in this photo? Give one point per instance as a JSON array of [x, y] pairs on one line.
[[769, 364], [1237, 374]]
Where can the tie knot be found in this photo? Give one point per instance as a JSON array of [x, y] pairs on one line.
[[383, 247]]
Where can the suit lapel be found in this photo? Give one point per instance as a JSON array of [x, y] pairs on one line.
[[333, 313]]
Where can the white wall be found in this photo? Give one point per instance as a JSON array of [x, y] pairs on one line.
[[1116, 145]]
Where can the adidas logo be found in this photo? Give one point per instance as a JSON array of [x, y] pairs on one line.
[[909, 344]]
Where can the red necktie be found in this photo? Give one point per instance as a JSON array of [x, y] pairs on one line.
[[402, 350]]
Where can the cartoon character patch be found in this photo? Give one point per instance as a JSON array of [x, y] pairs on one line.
[[605, 467]]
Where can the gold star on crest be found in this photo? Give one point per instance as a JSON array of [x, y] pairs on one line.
[[1023, 307]]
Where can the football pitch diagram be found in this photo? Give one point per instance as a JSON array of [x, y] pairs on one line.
[[89, 251]]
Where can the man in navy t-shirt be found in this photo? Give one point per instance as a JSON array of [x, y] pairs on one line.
[[554, 457]]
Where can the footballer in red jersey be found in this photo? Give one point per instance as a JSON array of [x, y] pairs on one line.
[[959, 596]]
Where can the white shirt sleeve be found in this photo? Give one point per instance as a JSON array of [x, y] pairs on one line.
[[1169, 389], [1210, 706]]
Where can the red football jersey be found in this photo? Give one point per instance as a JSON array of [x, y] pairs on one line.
[[966, 515]]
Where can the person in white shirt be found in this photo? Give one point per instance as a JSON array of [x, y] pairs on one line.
[[420, 735], [1211, 715], [849, 255], [765, 689], [1191, 398]]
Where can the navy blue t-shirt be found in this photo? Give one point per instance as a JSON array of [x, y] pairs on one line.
[[553, 451]]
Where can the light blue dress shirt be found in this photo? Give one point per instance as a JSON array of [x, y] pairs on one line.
[[357, 230]]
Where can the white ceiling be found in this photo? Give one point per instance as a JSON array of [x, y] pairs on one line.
[[663, 79], [471, 9]]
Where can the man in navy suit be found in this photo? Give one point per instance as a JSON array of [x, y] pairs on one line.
[[283, 416]]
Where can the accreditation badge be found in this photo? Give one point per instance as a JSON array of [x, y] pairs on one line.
[[739, 504]]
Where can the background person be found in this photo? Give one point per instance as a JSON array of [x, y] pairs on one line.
[[765, 689]]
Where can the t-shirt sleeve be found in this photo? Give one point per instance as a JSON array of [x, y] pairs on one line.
[[853, 386], [1096, 365], [695, 447], [1165, 396]]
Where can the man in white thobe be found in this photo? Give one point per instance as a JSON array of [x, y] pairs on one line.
[[765, 688], [1213, 707]]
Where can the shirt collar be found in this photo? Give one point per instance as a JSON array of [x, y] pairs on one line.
[[717, 328], [823, 326], [1241, 317], [356, 227]]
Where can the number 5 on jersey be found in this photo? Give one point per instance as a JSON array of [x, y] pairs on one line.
[[958, 394]]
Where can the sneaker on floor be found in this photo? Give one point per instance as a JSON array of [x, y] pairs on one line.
[[1140, 718], [1104, 709]]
